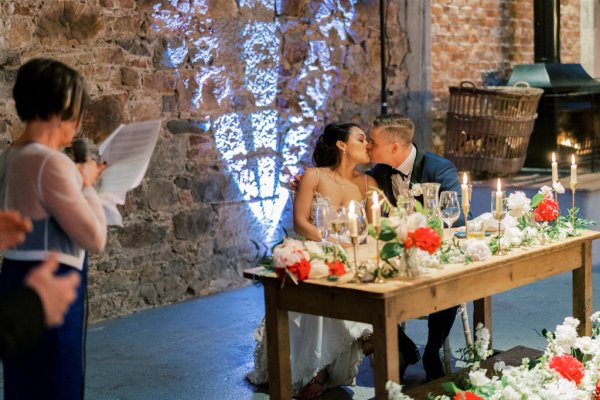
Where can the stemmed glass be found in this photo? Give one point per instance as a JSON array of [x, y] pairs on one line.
[[499, 211], [339, 220], [449, 208], [323, 221]]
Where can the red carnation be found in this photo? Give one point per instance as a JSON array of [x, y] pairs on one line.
[[466, 396], [336, 268], [547, 210], [301, 270], [424, 238], [568, 367]]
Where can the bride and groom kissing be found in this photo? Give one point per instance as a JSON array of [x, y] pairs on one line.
[[325, 352]]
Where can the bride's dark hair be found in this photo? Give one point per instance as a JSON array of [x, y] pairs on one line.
[[326, 152]]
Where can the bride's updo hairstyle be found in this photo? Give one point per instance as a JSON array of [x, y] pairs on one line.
[[326, 153]]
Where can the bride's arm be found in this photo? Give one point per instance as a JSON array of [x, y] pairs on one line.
[[302, 204]]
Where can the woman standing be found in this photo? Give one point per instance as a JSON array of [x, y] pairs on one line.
[[42, 183]]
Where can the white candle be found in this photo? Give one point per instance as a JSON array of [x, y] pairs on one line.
[[464, 191], [554, 169], [375, 211], [499, 200], [352, 220], [573, 169]]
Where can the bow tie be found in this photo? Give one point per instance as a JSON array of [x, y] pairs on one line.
[[402, 174]]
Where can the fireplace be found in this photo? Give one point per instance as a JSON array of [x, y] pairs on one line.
[[568, 119]]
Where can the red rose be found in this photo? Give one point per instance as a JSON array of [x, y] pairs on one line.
[[547, 210], [596, 394], [424, 238], [301, 270], [336, 268], [466, 396], [568, 367]]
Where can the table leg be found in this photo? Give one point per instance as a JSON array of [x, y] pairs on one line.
[[482, 312], [582, 291], [278, 346], [385, 343]]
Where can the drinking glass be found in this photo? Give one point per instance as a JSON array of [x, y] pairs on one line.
[[363, 222], [323, 221], [339, 220], [449, 208]]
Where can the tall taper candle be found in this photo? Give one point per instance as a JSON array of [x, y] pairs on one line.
[[499, 200], [464, 191], [375, 211], [573, 169], [554, 169], [352, 220]]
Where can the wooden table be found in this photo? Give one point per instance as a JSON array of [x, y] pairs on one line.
[[384, 305]]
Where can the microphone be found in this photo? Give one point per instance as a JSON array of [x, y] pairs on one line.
[[80, 151]]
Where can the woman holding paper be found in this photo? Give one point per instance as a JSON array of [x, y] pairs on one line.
[[42, 183], [325, 352]]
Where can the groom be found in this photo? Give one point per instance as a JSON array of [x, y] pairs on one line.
[[399, 164]]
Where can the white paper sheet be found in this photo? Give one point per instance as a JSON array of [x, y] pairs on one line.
[[127, 152]]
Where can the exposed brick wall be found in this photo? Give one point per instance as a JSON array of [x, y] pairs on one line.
[[480, 41]]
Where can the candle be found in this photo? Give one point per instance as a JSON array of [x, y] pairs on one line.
[[375, 211], [499, 200], [352, 220], [554, 169], [464, 191], [573, 169]]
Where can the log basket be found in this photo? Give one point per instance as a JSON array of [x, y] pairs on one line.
[[488, 129]]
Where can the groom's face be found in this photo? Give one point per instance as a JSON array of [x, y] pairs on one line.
[[380, 147]]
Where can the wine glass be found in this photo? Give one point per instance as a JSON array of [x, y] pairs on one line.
[[449, 208], [323, 221], [339, 219], [362, 222]]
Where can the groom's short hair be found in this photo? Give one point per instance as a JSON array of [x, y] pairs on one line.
[[398, 126]]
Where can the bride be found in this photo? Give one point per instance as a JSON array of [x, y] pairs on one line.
[[325, 352]]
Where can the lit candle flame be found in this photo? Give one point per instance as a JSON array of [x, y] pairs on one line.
[[573, 159], [553, 157], [375, 198], [465, 178], [499, 185], [351, 207]]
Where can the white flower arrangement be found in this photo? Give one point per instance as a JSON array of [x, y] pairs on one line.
[[557, 375]]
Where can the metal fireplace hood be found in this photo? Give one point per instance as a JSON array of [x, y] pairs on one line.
[[555, 78]]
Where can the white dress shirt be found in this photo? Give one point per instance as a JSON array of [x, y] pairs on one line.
[[398, 183]]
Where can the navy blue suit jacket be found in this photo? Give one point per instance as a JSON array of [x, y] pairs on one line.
[[428, 167]]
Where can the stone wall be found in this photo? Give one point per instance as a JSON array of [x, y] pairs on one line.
[[480, 41], [242, 87]]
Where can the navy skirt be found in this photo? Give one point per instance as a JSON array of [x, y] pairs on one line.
[[52, 369]]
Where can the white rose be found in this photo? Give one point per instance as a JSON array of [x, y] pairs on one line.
[[558, 187], [314, 249], [477, 249], [318, 269], [545, 191], [478, 378], [518, 204], [415, 221]]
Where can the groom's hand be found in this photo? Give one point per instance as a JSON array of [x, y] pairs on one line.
[[295, 182]]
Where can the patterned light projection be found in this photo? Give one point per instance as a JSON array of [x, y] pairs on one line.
[[259, 147]]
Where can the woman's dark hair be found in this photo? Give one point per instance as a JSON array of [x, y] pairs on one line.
[[326, 153], [45, 88]]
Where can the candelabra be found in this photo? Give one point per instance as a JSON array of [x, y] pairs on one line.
[[573, 189]]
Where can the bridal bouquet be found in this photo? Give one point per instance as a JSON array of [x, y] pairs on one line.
[[300, 260], [569, 369], [409, 246]]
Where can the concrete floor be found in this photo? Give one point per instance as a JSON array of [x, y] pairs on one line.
[[202, 349]]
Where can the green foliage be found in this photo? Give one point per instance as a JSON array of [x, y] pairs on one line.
[[535, 200], [391, 250]]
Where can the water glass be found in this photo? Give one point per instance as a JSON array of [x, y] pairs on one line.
[[449, 208], [323, 221]]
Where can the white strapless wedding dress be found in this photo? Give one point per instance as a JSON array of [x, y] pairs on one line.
[[315, 342]]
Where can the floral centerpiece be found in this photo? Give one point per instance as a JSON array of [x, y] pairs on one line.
[[409, 245], [300, 260], [569, 369]]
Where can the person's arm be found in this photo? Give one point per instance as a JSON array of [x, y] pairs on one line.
[[302, 204], [78, 211]]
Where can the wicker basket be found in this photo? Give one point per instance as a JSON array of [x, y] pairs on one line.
[[488, 130]]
